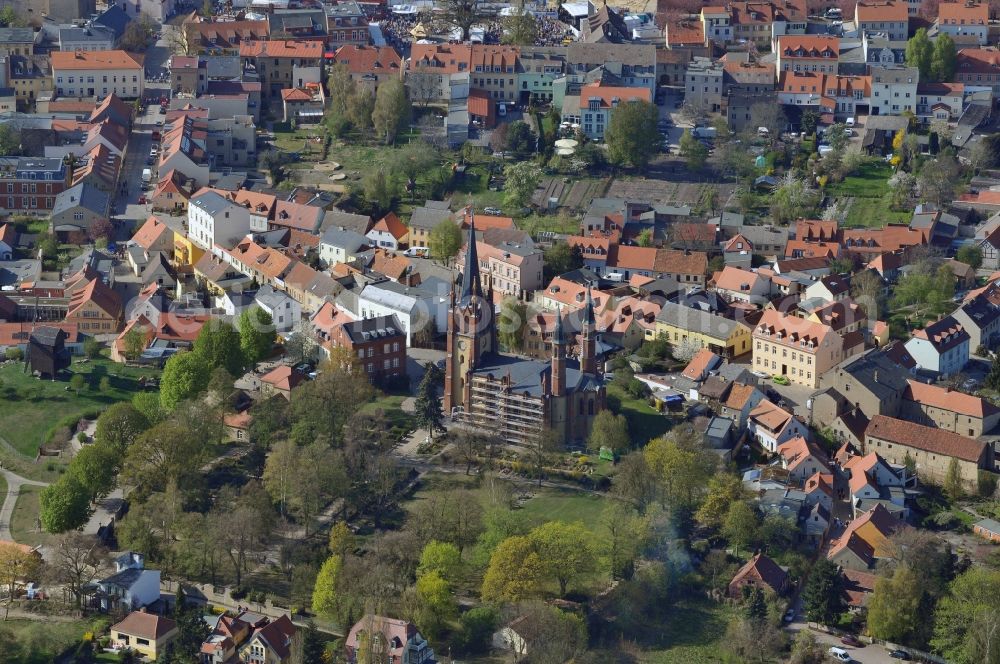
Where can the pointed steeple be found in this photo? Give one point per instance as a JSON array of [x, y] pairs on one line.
[[588, 309], [557, 335], [471, 283]]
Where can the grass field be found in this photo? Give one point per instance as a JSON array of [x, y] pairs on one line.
[[644, 422], [34, 408], [42, 642], [869, 188], [391, 405], [24, 521], [564, 505], [693, 634]]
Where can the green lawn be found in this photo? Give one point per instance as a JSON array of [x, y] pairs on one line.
[[24, 521], [869, 181], [391, 405], [42, 641], [874, 212], [644, 422], [564, 505], [692, 634], [34, 408]]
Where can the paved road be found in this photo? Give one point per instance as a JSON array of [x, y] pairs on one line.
[[871, 654], [14, 484]]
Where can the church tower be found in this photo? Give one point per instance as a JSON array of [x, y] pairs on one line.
[[558, 358], [588, 352], [471, 328]]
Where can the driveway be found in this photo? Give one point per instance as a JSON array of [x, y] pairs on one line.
[[14, 484], [870, 654]]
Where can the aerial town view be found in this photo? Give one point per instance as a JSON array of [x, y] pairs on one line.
[[473, 332]]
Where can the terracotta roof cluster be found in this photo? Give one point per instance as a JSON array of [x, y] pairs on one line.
[[928, 439], [95, 60]]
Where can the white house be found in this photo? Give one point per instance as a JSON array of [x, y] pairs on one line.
[[415, 307], [894, 89], [967, 19], [214, 219], [341, 245], [829, 289], [97, 74], [802, 459], [771, 426], [388, 232], [285, 312], [8, 241], [131, 587], [942, 347]]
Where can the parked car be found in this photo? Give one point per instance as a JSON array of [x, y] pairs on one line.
[[156, 135], [790, 615], [900, 654], [839, 654], [142, 199], [851, 640], [493, 211]]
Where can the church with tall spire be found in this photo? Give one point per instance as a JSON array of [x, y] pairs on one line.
[[515, 397]]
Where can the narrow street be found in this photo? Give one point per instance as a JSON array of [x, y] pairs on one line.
[[14, 484]]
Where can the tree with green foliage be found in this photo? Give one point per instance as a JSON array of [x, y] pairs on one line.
[[192, 630], [437, 604], [445, 240], [564, 550], [944, 59], [520, 181], [920, 52], [342, 87], [896, 610], [257, 334], [515, 571], [740, 525], [954, 488], [645, 238], [64, 505], [324, 599], [184, 377], [218, 345], [632, 136], [724, 489], [521, 141], [119, 426], [792, 199], [168, 452], [427, 408], [561, 258], [939, 180], [443, 558], [625, 534], [511, 323], [610, 431], [971, 255], [823, 596], [95, 466], [134, 343], [77, 382], [414, 159], [476, 627], [694, 151], [379, 189], [360, 107], [9, 18], [681, 466], [967, 619], [392, 109], [313, 644]]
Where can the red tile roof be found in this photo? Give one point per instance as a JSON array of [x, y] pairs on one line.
[[391, 224], [948, 399], [145, 625], [883, 11], [609, 95], [928, 439], [96, 60], [150, 232], [285, 48], [369, 59], [963, 13], [283, 377], [700, 364]]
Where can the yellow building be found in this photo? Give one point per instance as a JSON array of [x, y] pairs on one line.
[[145, 633], [798, 349], [702, 329], [185, 251]]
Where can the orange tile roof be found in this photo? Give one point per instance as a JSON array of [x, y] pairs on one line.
[[948, 399], [611, 95], [391, 224], [732, 278], [330, 316], [150, 232], [295, 94], [800, 82], [770, 415], [739, 395], [97, 292], [70, 60], [878, 517], [145, 625], [811, 46], [794, 331], [446, 58], [797, 450], [883, 11], [282, 377], [889, 238], [929, 439], [699, 364], [632, 258], [290, 214], [12, 334], [363, 60], [963, 13], [806, 249], [685, 32], [283, 48]]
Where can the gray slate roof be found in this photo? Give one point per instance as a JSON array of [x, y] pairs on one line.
[[84, 195]]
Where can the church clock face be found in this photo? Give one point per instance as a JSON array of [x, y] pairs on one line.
[[461, 344]]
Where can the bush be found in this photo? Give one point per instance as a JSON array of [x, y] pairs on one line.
[[91, 348], [14, 353]]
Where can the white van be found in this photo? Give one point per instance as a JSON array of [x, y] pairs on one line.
[[839, 654], [147, 175], [849, 121], [763, 132], [502, 110]]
